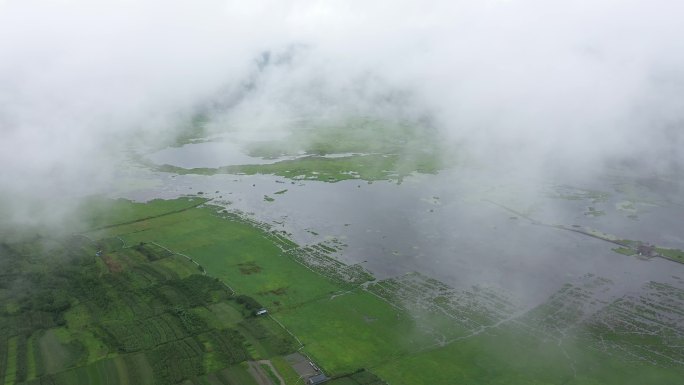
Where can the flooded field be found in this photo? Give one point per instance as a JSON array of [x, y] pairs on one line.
[[476, 263], [374, 281], [456, 227]]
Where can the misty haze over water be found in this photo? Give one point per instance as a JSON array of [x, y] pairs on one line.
[[528, 94]]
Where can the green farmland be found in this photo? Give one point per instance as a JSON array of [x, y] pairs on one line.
[[165, 293]]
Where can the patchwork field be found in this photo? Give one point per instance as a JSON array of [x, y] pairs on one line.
[[165, 293]]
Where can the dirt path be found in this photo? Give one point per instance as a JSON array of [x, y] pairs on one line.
[[260, 375], [203, 201]]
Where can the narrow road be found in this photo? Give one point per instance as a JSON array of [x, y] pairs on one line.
[[202, 201], [260, 374]]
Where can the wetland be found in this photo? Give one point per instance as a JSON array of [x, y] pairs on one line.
[[415, 278]]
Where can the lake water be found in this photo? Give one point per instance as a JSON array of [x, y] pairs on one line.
[[206, 154], [445, 225], [216, 154]]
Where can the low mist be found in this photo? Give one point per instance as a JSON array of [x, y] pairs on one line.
[[525, 87]]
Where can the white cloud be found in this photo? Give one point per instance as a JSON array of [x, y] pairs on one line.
[[537, 81]]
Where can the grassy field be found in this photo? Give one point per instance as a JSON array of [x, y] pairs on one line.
[[673, 254], [143, 312], [250, 262], [352, 331], [235, 252], [99, 212], [512, 356], [624, 251]]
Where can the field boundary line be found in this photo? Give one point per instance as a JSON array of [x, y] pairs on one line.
[[205, 200]]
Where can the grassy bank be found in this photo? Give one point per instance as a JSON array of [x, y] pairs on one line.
[[365, 149]]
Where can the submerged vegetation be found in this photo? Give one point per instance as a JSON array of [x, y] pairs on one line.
[[672, 254], [366, 149], [366, 167]]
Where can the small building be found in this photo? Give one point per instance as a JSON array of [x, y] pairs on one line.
[[317, 379], [260, 312], [646, 250]]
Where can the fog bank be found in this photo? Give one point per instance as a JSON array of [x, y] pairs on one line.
[[520, 86]]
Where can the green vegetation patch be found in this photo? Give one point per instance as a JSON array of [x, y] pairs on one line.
[[368, 167], [624, 251], [11, 361], [367, 149], [97, 212], [59, 351], [349, 331], [235, 252], [269, 372], [673, 254], [150, 321], [285, 370], [269, 339], [631, 247], [360, 377], [151, 251], [514, 356]]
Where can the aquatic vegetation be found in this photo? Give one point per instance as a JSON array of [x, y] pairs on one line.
[[672, 254], [358, 149], [366, 167], [574, 193]]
